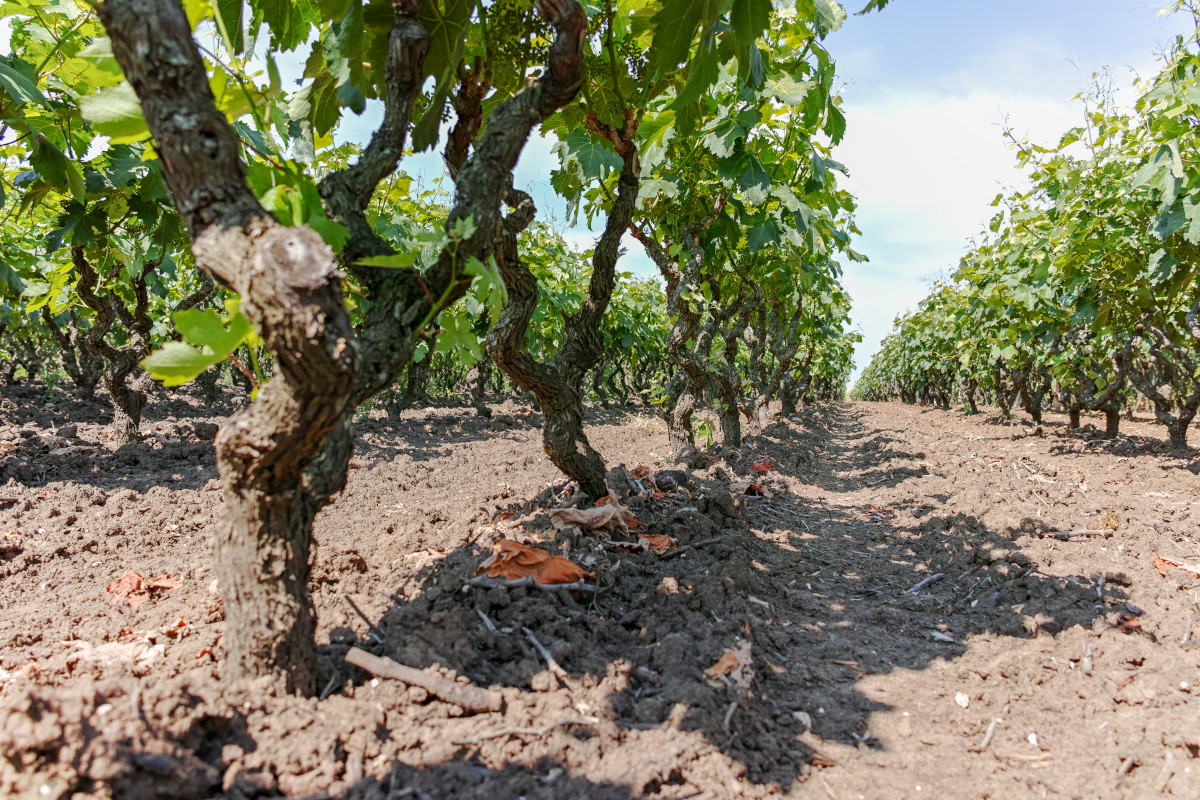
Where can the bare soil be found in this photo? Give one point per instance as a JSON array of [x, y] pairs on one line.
[[917, 630]]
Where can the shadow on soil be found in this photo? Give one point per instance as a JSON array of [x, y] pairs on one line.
[[827, 594]]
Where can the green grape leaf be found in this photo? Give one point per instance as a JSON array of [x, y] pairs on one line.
[[116, 113]]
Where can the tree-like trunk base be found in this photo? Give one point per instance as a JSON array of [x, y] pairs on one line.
[[1074, 415], [1177, 434], [1112, 422], [731, 428], [127, 406]]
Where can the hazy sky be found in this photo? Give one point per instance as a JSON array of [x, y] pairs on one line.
[[929, 81]]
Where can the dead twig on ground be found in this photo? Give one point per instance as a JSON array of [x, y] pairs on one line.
[[497, 583], [922, 584], [553, 665], [729, 715], [329, 686], [487, 622], [676, 553], [372, 628], [1164, 777], [467, 696], [987, 737], [527, 731], [1073, 536]]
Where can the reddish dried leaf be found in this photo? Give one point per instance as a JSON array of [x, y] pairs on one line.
[[659, 495], [1129, 625], [505, 515], [1163, 563], [726, 664], [512, 561], [640, 471], [659, 542], [162, 582], [762, 466], [737, 663], [755, 490], [134, 589]]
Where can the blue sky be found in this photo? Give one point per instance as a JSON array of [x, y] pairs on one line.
[[929, 82]]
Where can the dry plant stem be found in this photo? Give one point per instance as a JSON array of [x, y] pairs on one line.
[[553, 665], [487, 621], [291, 290], [680, 551], [527, 731], [921, 585], [987, 738], [1164, 777], [496, 583], [558, 382], [401, 299], [1067, 536], [682, 344], [469, 697]]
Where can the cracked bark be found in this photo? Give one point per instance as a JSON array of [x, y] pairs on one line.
[[402, 300], [558, 383], [691, 374], [1031, 385], [1168, 366], [127, 400], [727, 382], [79, 358], [291, 290]]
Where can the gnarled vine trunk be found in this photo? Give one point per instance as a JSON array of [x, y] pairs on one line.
[[291, 290], [558, 383]]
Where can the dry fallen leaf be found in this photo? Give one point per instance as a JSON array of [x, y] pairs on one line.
[[736, 663], [639, 472], [135, 589], [1162, 564], [602, 519], [762, 466], [1110, 520], [659, 542], [512, 561]]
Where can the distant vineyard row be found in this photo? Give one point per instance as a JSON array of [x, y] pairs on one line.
[[1083, 289]]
